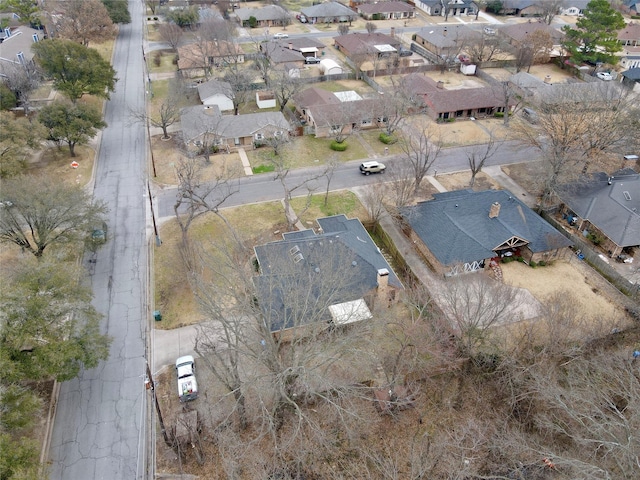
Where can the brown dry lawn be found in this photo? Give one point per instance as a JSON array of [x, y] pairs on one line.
[[461, 180]]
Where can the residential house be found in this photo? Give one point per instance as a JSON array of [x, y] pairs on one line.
[[632, 6], [573, 7], [430, 7], [310, 279], [629, 37], [279, 53], [370, 44], [606, 206], [328, 12], [392, 10], [448, 8], [198, 59], [331, 113], [462, 231], [522, 8], [518, 34], [442, 105], [15, 47], [206, 126], [631, 78], [216, 92], [267, 16], [446, 42], [308, 47]]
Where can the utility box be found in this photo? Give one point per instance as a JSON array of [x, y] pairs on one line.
[[157, 316]]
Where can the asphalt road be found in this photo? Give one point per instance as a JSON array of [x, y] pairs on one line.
[[261, 188], [99, 430]]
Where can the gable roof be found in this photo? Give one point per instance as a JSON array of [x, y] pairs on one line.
[[298, 43], [279, 53], [19, 41], [449, 36], [328, 9], [198, 120], [630, 32], [313, 96], [632, 74], [196, 56], [385, 7], [601, 200], [326, 108], [519, 31], [456, 227], [268, 12], [441, 100], [302, 257], [214, 87], [365, 42]]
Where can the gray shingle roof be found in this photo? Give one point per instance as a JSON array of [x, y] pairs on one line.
[[328, 9], [449, 36], [386, 7], [279, 53], [632, 74], [344, 242], [268, 12], [198, 120], [456, 227], [606, 206], [213, 87]]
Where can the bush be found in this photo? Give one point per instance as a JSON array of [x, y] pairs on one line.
[[507, 259], [450, 120], [174, 60], [387, 139], [498, 114], [157, 59], [339, 147], [533, 264], [542, 263]]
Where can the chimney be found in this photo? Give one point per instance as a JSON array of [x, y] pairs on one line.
[[383, 278], [290, 46], [440, 84], [494, 211], [393, 32]]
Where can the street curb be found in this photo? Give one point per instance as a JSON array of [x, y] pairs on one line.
[[46, 444]]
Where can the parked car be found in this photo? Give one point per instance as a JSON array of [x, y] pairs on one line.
[[606, 76], [301, 18], [280, 35], [187, 385], [367, 168], [311, 60]]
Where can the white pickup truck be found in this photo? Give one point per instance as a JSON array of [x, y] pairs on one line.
[[187, 385]]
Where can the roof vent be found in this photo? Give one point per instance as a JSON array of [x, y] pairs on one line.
[[298, 257], [295, 249], [627, 195]]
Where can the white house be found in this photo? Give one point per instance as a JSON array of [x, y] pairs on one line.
[[215, 92]]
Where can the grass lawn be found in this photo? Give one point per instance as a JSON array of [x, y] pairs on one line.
[[164, 64], [57, 163], [371, 137], [308, 151]]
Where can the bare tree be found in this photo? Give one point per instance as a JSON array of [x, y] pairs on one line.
[[343, 29], [22, 80], [284, 87], [478, 155], [474, 303], [196, 197], [164, 115], [401, 183], [370, 27], [548, 9], [84, 21], [421, 151], [372, 198], [486, 48], [239, 79], [171, 33]]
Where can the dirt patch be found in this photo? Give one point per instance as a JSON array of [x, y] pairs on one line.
[[167, 154], [461, 180], [454, 80]]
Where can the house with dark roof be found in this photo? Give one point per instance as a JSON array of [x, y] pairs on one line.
[[307, 46], [378, 44], [631, 78], [279, 53], [461, 231], [522, 8], [392, 10], [198, 59], [317, 279], [206, 126], [519, 33], [629, 36], [445, 42], [430, 7], [216, 92], [266, 16], [632, 6], [466, 103], [607, 206], [330, 113], [15, 46], [448, 8], [328, 12]]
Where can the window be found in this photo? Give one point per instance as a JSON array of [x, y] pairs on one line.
[[259, 136], [35, 38], [279, 133]]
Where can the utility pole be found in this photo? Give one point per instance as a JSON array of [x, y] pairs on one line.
[[152, 387], [153, 217]]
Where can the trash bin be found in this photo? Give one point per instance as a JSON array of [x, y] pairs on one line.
[[157, 316]]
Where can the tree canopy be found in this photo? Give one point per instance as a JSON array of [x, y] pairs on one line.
[[17, 136], [40, 211], [595, 37], [86, 21], [75, 69], [118, 10], [73, 124], [27, 10]]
